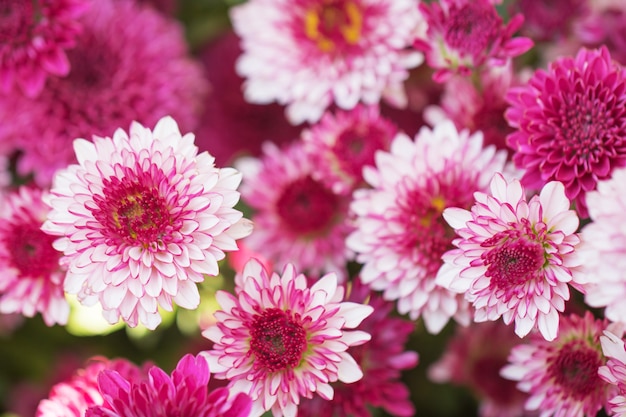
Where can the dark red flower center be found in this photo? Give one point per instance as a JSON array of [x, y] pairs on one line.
[[334, 24], [17, 19], [277, 340], [575, 369], [306, 206], [472, 28], [356, 146], [30, 249]]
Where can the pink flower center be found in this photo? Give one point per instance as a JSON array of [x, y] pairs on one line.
[[575, 369], [472, 28], [306, 206], [514, 260], [133, 212], [334, 23], [278, 340], [31, 251], [17, 19]]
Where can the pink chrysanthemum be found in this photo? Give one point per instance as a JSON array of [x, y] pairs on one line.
[[603, 247], [382, 361], [603, 25], [279, 340], [550, 21], [570, 123], [297, 218], [308, 54], [465, 35], [73, 397], [401, 234], [34, 37], [142, 218], [514, 258], [31, 279], [562, 376], [614, 372], [130, 64], [184, 394], [341, 144], [473, 358]]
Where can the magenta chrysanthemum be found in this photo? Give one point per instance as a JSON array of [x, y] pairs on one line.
[[514, 258], [562, 376], [341, 144], [570, 123], [183, 394], [131, 63], [34, 37], [308, 54], [297, 218], [31, 279], [401, 234], [465, 35], [279, 340], [614, 372], [142, 218]]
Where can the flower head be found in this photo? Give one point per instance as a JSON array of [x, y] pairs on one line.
[[562, 376], [570, 123], [614, 372], [34, 37], [142, 218], [31, 279], [297, 218], [279, 340], [400, 234], [513, 257], [183, 394], [309, 54]]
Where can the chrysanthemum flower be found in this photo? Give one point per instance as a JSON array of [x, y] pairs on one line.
[[31, 279], [34, 37], [142, 218], [464, 35], [614, 372], [279, 340], [309, 54], [400, 234], [603, 25], [570, 123], [342, 143], [73, 397], [514, 258], [562, 376], [550, 21], [131, 63], [382, 361], [297, 218], [183, 394]]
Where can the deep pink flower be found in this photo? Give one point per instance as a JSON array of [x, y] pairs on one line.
[[465, 35], [614, 371], [297, 218], [604, 25], [400, 234], [550, 20], [31, 279], [342, 143], [183, 394], [308, 54], [570, 123], [279, 340], [142, 218], [131, 63], [514, 258], [34, 37], [561, 376]]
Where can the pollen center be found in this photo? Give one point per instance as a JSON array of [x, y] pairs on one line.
[[17, 19], [472, 28], [31, 250], [356, 146], [278, 340], [575, 369], [334, 23]]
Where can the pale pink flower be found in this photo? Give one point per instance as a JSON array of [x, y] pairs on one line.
[[400, 233], [183, 394], [343, 142], [514, 258], [561, 376], [31, 279], [614, 372], [279, 340], [297, 218], [142, 218], [34, 37], [465, 35], [309, 54]]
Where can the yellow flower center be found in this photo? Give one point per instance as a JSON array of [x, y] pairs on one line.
[[332, 22]]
